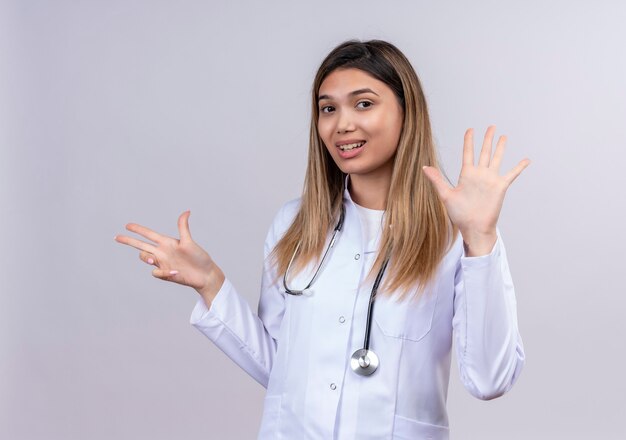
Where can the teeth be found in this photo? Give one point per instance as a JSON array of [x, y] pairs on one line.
[[348, 147]]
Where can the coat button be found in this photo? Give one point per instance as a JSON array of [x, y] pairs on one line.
[[333, 386], [357, 256], [342, 319]]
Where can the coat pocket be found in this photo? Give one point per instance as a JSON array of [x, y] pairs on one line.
[[409, 429], [409, 319], [271, 417]]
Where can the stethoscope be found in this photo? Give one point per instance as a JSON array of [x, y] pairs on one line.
[[363, 361]]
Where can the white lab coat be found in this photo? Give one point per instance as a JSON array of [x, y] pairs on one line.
[[299, 347]]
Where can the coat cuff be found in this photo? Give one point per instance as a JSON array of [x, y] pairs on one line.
[[482, 260], [205, 317]]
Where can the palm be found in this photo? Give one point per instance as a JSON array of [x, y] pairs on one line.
[[475, 203], [183, 255], [187, 257]]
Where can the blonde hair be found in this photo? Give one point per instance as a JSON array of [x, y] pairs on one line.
[[421, 232]]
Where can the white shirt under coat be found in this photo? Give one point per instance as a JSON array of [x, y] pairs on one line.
[[299, 347]]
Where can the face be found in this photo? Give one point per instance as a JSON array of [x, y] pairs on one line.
[[360, 120]]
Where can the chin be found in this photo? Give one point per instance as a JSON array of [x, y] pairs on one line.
[[350, 167]]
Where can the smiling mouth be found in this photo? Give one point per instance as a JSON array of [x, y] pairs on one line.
[[348, 147]]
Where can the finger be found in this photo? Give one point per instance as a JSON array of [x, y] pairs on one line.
[[146, 232], [468, 148], [512, 175], [497, 156], [164, 274], [149, 258], [437, 179], [183, 226], [137, 244], [485, 152]]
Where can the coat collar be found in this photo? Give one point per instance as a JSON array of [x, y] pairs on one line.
[[353, 229], [346, 193]]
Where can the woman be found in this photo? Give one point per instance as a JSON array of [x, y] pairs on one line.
[[355, 324]]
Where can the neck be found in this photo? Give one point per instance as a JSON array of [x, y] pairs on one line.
[[370, 191]]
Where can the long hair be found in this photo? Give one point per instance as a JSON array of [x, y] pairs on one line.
[[421, 232]]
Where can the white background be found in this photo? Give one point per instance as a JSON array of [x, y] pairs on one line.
[[134, 111]]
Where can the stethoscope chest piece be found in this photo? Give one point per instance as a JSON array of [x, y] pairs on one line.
[[364, 362]]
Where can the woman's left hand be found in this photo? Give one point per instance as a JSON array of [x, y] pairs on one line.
[[474, 204]]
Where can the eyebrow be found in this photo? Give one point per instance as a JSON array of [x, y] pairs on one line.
[[354, 93]]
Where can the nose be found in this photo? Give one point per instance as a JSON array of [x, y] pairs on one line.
[[345, 122]]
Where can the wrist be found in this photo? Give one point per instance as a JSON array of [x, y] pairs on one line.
[[477, 244], [214, 281]]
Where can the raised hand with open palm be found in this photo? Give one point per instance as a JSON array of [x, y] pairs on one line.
[[182, 260], [474, 204]]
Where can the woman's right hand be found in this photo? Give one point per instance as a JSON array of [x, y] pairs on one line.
[[179, 260]]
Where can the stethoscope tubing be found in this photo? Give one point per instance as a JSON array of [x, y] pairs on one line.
[[370, 307], [363, 361], [330, 245]]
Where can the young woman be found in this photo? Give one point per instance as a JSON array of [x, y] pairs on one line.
[[371, 273]]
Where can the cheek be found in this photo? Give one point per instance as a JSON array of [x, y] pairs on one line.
[[393, 123], [385, 127], [397, 128], [323, 129]]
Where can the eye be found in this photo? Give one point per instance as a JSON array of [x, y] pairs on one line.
[[364, 104], [327, 109]]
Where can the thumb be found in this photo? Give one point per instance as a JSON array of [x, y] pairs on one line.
[[434, 175], [183, 226]]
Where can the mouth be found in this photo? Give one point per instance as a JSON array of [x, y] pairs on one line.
[[350, 146]]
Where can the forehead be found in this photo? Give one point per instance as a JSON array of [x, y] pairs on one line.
[[342, 81]]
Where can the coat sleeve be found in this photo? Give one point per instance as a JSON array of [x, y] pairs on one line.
[[249, 339], [488, 344]]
